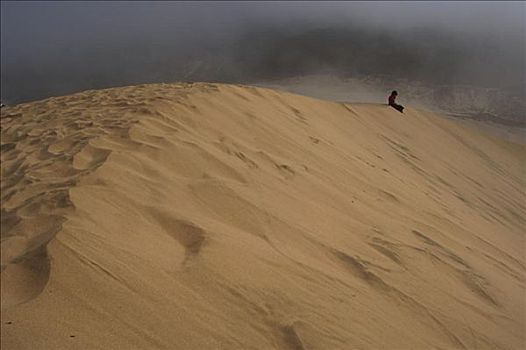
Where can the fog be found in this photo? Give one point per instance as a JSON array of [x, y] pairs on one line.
[[56, 48]]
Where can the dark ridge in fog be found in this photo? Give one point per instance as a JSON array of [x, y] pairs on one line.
[[71, 47], [423, 54]]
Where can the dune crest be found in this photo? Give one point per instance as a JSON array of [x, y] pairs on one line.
[[205, 216]]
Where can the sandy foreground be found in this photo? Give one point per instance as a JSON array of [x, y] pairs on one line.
[[207, 216]]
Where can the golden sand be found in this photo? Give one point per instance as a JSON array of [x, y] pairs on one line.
[[207, 216]]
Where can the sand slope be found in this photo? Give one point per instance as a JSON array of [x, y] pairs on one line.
[[203, 216]]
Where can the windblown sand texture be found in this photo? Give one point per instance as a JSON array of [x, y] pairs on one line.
[[206, 216]]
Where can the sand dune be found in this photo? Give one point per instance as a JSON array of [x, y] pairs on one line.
[[204, 216], [497, 112]]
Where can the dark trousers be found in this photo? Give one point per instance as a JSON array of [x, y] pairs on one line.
[[398, 107]]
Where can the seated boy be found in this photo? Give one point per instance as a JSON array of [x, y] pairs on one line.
[[393, 104]]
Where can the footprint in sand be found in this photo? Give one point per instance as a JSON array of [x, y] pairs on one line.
[[90, 157], [186, 233], [286, 170], [25, 279], [291, 338]]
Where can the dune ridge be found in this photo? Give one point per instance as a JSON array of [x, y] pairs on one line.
[[200, 215]]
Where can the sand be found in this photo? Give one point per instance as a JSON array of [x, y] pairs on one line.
[[492, 111], [207, 216]]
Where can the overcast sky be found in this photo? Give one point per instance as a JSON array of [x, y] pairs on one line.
[[26, 25], [33, 34]]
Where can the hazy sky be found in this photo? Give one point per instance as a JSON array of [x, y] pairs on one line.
[[38, 23], [43, 40]]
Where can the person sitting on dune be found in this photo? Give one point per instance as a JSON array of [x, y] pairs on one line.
[[393, 104]]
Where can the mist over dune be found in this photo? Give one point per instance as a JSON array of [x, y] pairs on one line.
[[478, 45], [426, 54], [492, 107], [205, 216]]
